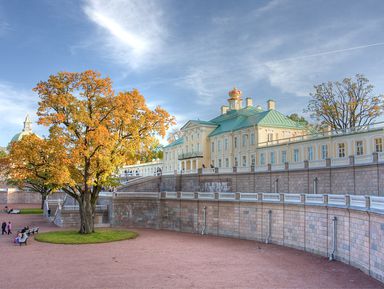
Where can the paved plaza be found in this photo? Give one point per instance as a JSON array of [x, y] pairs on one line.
[[163, 259]]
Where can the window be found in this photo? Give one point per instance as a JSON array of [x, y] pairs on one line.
[[198, 147], [253, 160], [262, 159], [226, 162], [192, 137], [270, 137], [272, 157], [186, 148], [219, 163], [341, 150], [252, 138], [296, 155], [213, 163], [244, 161], [226, 144], [245, 139], [359, 148], [284, 157], [192, 148], [236, 162], [378, 145], [310, 153], [219, 146], [212, 147], [235, 142], [186, 139], [324, 152]]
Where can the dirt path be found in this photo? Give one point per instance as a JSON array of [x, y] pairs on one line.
[[162, 259]]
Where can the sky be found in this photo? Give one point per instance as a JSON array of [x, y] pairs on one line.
[[186, 55]]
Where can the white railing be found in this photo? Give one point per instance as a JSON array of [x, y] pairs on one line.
[[275, 167], [380, 157], [366, 159], [314, 199], [337, 200], [263, 168], [377, 203], [168, 173], [227, 196], [187, 195], [249, 197], [76, 207], [189, 172], [271, 197], [296, 166], [171, 195], [292, 198], [336, 162], [137, 194], [206, 196], [225, 170], [357, 201], [317, 164], [206, 171], [243, 169]]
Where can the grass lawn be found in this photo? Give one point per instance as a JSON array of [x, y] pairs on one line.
[[29, 211], [73, 237]]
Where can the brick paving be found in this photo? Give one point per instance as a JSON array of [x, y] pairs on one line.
[[163, 259]]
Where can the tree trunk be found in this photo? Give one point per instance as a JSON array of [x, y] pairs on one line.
[[43, 198], [87, 209]]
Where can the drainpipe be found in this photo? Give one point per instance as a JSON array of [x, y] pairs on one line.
[[204, 220], [268, 239], [332, 256]]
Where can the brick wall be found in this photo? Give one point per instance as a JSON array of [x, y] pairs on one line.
[[360, 234]]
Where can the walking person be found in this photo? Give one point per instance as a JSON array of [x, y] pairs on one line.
[[3, 228], [9, 228]]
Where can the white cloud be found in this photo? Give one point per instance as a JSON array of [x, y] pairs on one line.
[[15, 104], [132, 32]]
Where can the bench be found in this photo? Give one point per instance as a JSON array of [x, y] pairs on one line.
[[22, 240], [32, 231]]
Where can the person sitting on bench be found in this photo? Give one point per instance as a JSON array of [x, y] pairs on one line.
[[21, 238]]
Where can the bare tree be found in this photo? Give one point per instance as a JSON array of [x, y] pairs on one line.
[[345, 104]]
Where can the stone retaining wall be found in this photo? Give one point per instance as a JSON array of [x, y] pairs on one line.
[[358, 180], [360, 233]]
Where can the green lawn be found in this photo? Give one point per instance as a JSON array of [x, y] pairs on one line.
[[73, 237], [29, 211]]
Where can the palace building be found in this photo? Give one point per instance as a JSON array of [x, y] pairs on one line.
[[247, 138]]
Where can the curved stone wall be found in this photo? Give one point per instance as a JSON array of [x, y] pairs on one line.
[[302, 221]]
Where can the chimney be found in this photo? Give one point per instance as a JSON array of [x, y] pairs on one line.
[[248, 102], [224, 109], [271, 104]]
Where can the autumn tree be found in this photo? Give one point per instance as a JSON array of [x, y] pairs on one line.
[[345, 104], [99, 129], [37, 164]]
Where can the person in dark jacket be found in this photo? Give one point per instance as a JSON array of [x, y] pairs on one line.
[[3, 227]]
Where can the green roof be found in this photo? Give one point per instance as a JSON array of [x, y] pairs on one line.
[[251, 116], [175, 143]]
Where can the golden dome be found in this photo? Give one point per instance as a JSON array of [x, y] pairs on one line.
[[235, 94]]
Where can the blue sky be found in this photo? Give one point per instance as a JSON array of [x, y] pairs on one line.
[[186, 55]]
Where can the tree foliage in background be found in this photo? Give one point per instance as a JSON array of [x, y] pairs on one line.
[[99, 131], [38, 164], [295, 117], [174, 135], [345, 104]]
